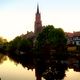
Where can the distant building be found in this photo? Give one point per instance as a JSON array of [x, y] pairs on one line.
[[38, 22], [73, 38], [29, 35], [76, 38], [37, 26], [69, 37]]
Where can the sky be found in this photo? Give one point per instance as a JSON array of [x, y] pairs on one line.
[[18, 16]]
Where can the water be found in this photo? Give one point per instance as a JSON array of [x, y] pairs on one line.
[[72, 75], [12, 71]]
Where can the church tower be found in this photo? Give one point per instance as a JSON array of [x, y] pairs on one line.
[[38, 23]]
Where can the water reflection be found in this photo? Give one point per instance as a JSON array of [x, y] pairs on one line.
[[2, 58], [72, 75], [51, 68], [56, 71], [10, 71]]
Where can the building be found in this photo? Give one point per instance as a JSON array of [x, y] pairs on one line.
[[38, 22], [69, 37], [73, 38], [37, 26], [29, 35], [76, 38]]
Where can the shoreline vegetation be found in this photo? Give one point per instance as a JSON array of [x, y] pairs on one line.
[[46, 52], [48, 38]]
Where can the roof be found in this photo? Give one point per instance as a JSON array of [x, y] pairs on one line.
[[68, 34], [76, 33]]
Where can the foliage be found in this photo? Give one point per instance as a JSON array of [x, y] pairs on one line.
[[2, 40], [21, 51], [26, 45], [20, 44], [2, 58], [43, 46], [48, 44], [14, 44], [51, 38], [2, 44]]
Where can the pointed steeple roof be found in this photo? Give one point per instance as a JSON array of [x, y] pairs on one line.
[[37, 9]]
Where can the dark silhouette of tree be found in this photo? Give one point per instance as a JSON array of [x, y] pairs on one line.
[[51, 38], [2, 58], [45, 52], [2, 44], [50, 43], [55, 71], [40, 53], [21, 51]]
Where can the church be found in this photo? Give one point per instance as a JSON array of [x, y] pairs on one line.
[[37, 26], [72, 38], [38, 22]]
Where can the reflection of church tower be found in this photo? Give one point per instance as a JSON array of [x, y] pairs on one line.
[[38, 23]]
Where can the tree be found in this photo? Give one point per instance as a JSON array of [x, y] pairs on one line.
[[14, 44], [2, 40], [26, 45], [51, 40], [20, 44], [2, 44], [21, 51], [40, 52]]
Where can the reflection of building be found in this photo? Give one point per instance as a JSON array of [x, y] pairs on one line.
[[73, 38]]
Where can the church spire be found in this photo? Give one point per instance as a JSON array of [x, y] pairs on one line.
[[38, 22], [37, 9]]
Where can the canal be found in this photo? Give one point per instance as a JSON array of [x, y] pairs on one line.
[[9, 70]]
